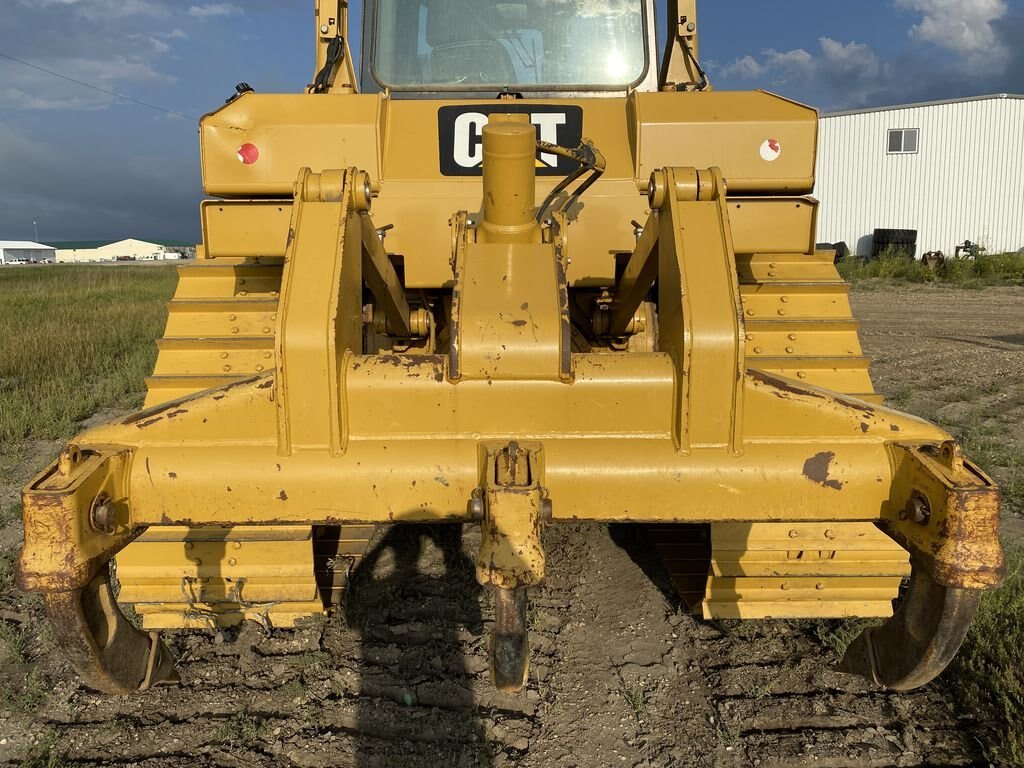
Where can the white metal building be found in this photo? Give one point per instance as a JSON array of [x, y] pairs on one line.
[[952, 170], [24, 252], [131, 249]]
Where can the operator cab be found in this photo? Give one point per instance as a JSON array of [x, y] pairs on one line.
[[484, 48]]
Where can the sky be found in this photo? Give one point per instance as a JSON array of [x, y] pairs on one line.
[[85, 165]]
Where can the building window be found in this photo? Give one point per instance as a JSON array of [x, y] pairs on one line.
[[902, 141]]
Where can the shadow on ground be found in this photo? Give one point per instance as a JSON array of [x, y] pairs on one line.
[[414, 602]]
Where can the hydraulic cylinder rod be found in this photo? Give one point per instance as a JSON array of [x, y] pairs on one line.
[[510, 148]]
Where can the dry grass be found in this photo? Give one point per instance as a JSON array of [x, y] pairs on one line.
[[77, 339]]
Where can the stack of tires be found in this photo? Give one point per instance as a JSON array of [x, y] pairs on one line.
[[841, 249], [898, 242]]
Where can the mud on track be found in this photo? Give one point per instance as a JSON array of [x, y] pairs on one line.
[[621, 676]]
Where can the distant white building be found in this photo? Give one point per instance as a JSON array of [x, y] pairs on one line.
[[25, 252], [130, 249], [951, 170]]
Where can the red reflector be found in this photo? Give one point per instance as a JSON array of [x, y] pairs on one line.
[[248, 154]]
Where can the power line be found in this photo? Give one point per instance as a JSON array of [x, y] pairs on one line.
[[97, 88]]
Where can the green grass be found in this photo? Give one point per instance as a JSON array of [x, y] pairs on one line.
[[10, 512], [837, 634], [990, 449], [636, 697], [987, 673], [46, 753], [987, 269], [6, 572], [242, 728], [27, 697], [13, 645], [77, 339]]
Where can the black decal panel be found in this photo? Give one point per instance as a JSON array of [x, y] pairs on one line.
[[459, 129]]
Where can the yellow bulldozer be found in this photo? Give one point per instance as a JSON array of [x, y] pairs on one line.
[[514, 274]]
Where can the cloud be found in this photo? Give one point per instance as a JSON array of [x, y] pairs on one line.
[[30, 89], [120, 69], [746, 67], [852, 68], [975, 56], [213, 9], [15, 98], [117, 44], [100, 10], [964, 27]]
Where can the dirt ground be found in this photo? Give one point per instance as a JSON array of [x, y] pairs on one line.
[[621, 676]]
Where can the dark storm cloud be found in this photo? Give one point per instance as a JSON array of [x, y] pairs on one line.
[[1011, 33], [76, 194]]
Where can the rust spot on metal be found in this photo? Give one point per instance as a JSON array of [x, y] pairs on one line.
[[266, 384], [817, 467], [781, 385], [894, 427], [146, 417], [864, 426], [172, 475], [441, 480], [278, 467], [525, 305], [173, 414], [149, 422], [282, 496], [519, 323]]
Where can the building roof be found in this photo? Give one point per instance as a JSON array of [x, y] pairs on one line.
[[79, 245], [23, 245], [986, 97], [88, 245]]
